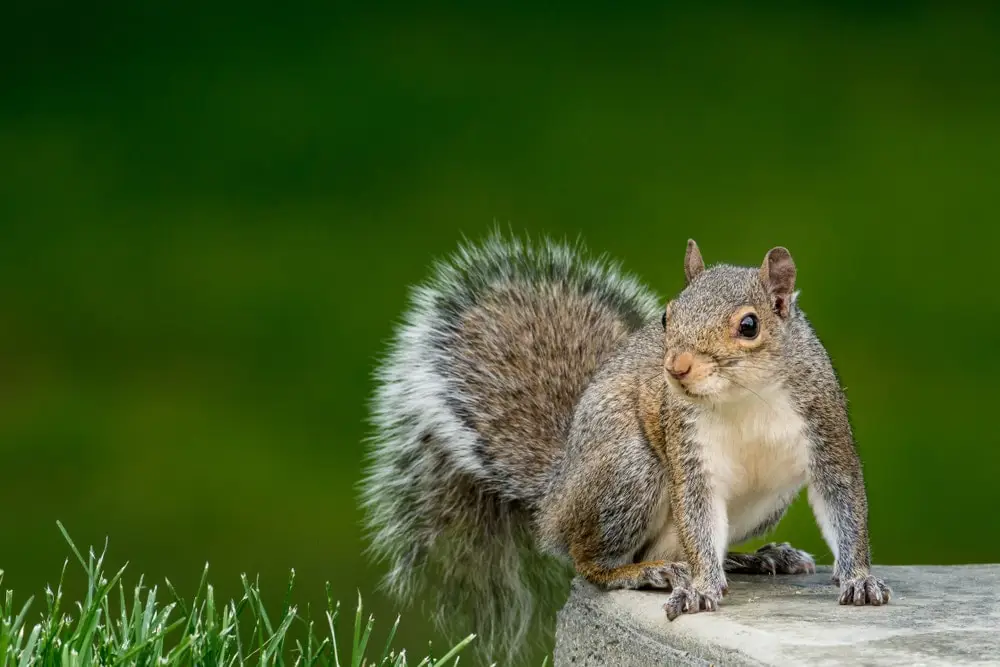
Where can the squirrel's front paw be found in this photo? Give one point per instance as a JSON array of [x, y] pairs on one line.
[[864, 590], [693, 598]]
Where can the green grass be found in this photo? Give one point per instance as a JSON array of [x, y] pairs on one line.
[[105, 628]]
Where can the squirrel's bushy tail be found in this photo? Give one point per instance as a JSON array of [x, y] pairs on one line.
[[470, 413]]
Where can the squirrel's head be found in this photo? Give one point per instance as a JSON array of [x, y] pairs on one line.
[[725, 331]]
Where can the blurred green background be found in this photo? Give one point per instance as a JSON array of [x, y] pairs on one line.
[[211, 214]]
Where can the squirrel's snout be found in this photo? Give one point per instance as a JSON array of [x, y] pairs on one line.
[[681, 365]]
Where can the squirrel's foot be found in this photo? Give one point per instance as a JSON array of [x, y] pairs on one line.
[[863, 590], [667, 575], [692, 599], [647, 574], [771, 559]]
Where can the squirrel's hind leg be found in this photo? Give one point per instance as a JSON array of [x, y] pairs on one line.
[[770, 559]]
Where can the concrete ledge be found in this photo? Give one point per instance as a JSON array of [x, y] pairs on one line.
[[938, 615]]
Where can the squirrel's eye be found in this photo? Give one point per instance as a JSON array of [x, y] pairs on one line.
[[749, 326], [663, 320]]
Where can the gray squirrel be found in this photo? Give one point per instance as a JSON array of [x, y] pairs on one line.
[[540, 414]]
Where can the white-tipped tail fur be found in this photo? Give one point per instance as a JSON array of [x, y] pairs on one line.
[[468, 418]]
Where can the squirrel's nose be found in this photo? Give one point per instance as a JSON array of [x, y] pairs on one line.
[[681, 365]]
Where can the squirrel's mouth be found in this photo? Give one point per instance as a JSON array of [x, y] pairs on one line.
[[706, 388], [684, 390]]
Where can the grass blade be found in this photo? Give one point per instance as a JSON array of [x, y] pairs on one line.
[[388, 642], [72, 546], [453, 653], [19, 621], [331, 618], [355, 655], [27, 655]]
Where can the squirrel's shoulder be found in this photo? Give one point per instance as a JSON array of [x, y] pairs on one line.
[[613, 400]]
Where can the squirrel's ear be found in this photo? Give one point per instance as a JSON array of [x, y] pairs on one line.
[[693, 263], [778, 275]]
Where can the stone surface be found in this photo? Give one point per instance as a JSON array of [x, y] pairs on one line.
[[938, 616]]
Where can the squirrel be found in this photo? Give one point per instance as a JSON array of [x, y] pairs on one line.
[[541, 413]]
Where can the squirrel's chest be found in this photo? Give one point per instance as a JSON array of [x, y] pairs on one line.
[[754, 449]]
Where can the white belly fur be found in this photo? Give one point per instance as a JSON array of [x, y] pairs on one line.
[[756, 455]]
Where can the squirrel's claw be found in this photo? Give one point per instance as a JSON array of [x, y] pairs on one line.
[[785, 559], [691, 600], [863, 590]]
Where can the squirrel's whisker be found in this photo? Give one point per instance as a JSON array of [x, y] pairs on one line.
[[743, 386]]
